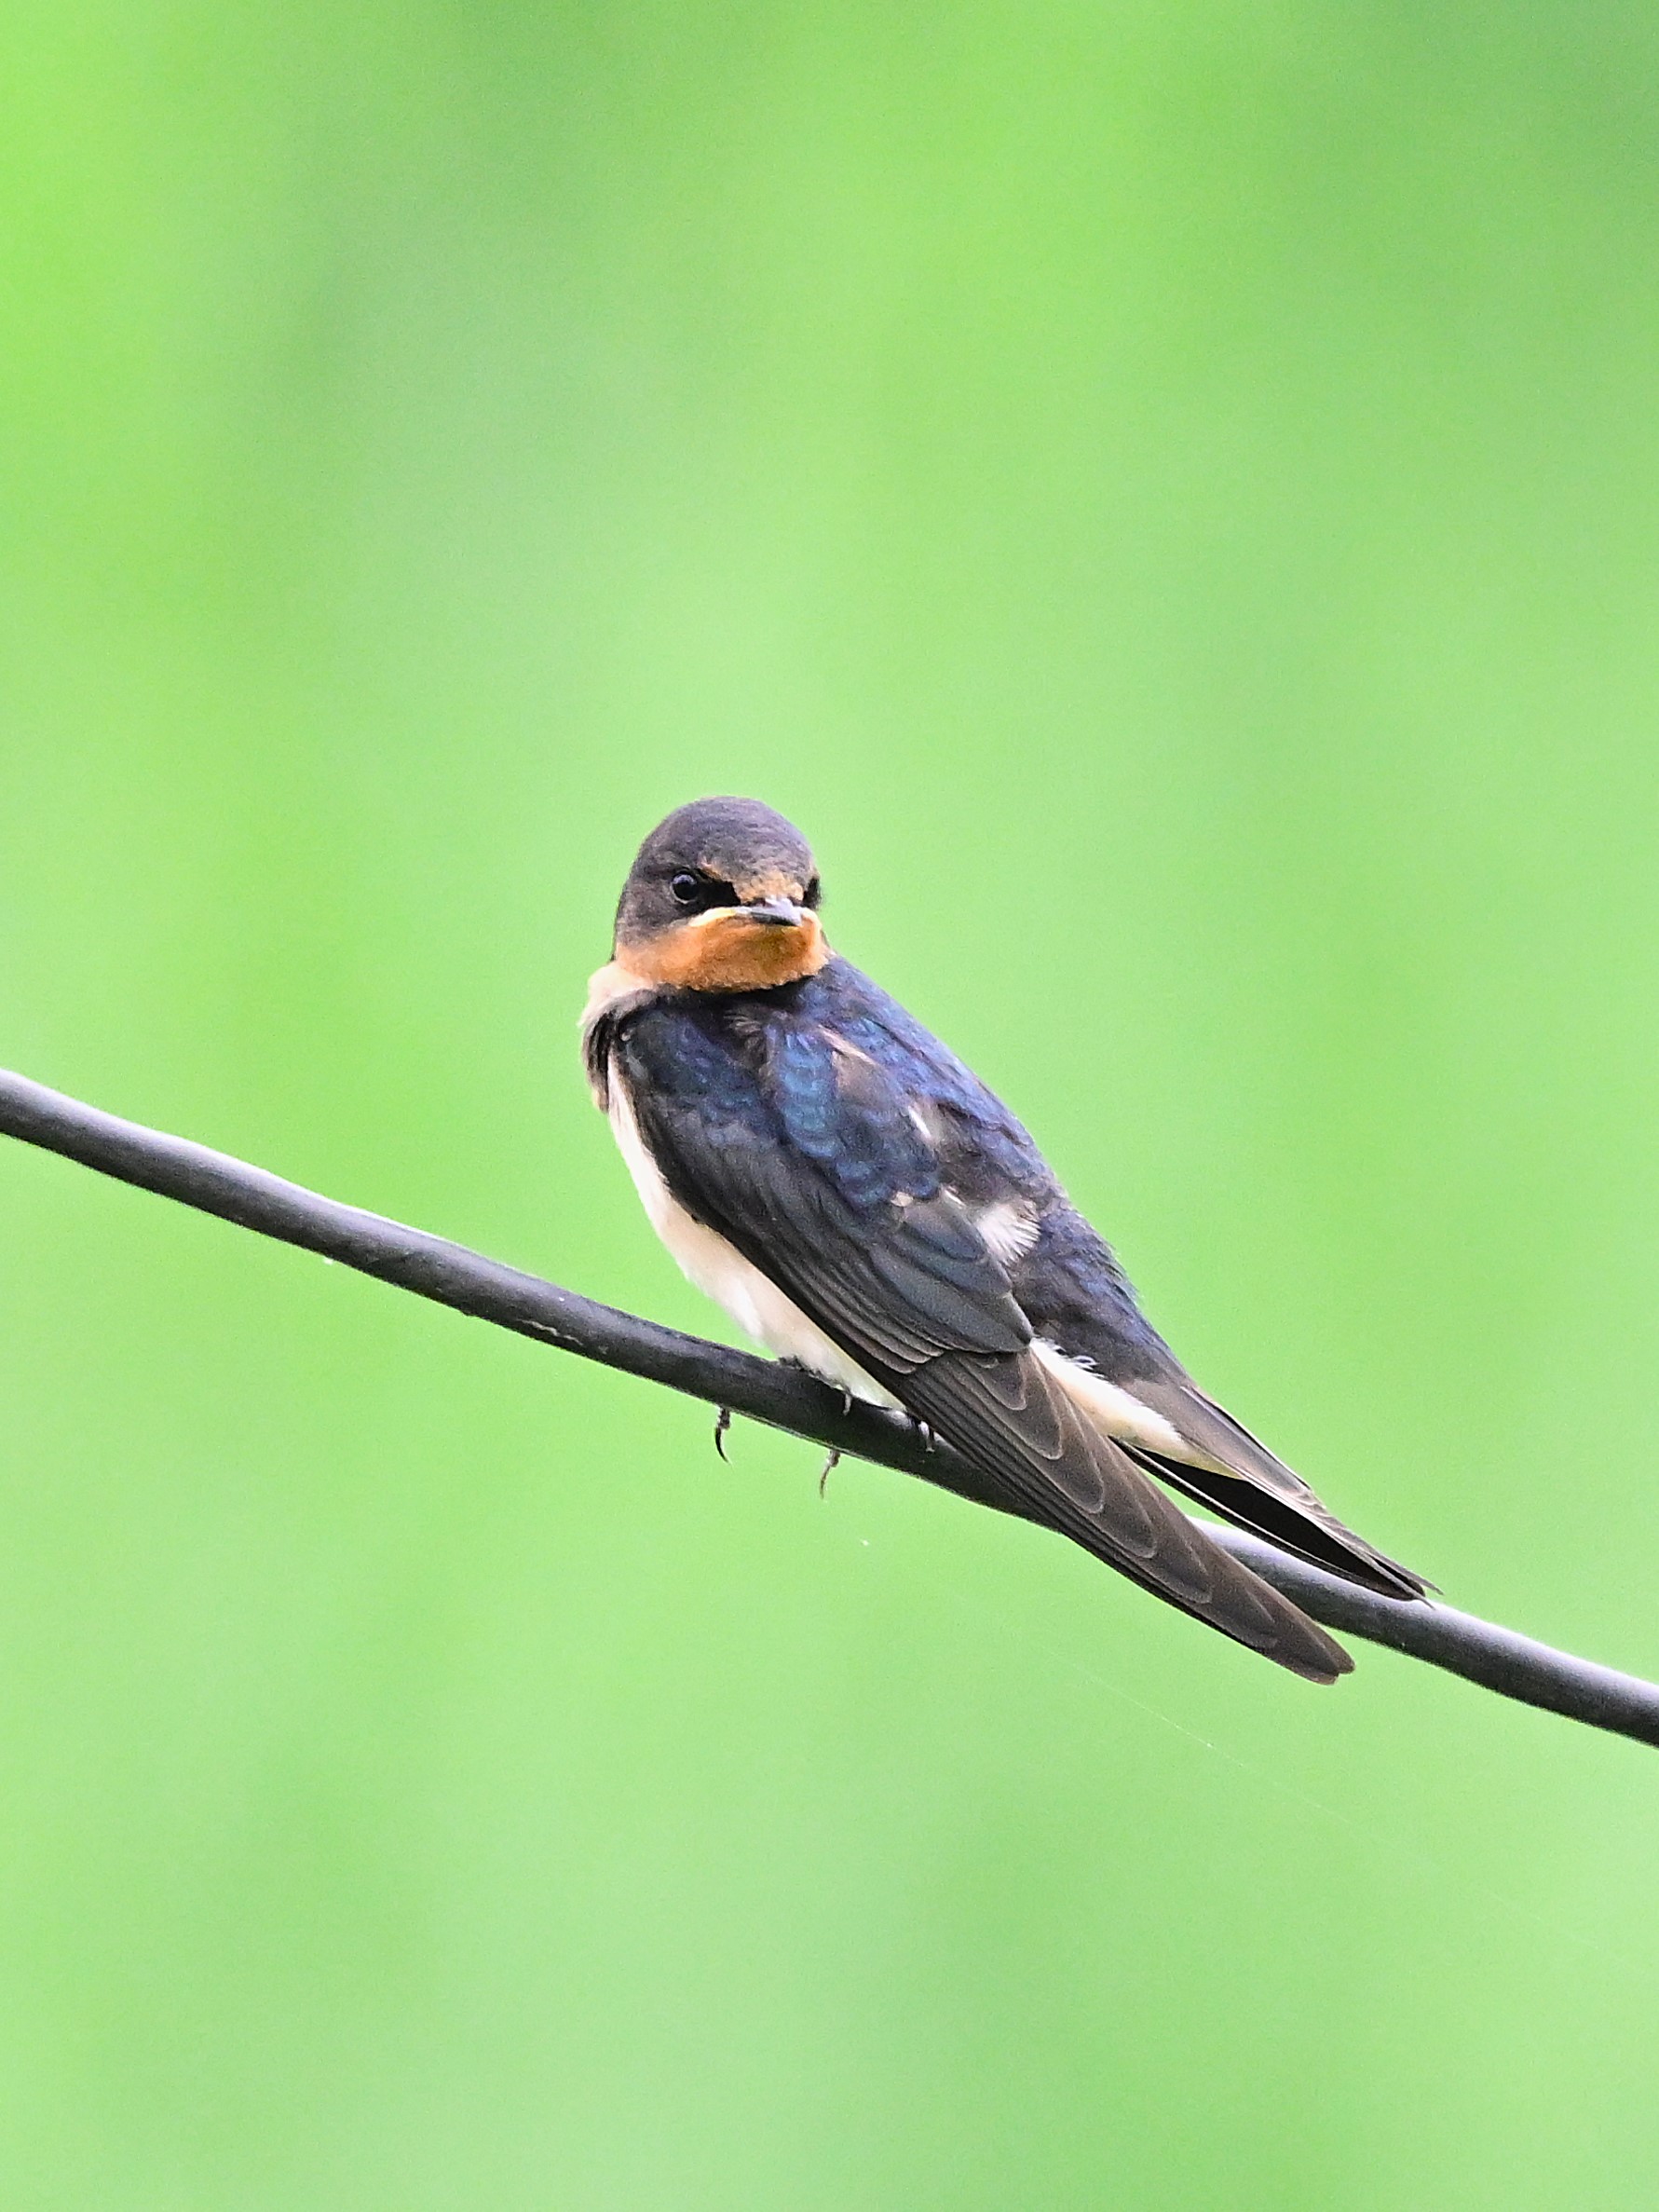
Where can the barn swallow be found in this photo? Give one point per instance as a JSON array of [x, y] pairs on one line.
[[861, 1205]]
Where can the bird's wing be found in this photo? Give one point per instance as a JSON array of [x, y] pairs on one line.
[[832, 1189]]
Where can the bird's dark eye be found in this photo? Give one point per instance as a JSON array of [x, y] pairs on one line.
[[814, 892], [698, 892]]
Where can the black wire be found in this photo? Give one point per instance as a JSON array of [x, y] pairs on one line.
[[782, 1397]]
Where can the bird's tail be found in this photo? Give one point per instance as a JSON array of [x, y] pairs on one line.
[[1019, 1426]]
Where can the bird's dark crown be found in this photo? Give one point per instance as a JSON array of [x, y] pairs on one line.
[[723, 895]]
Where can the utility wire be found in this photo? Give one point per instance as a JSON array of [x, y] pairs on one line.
[[782, 1397]]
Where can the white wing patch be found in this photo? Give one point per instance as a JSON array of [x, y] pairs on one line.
[[1009, 1227], [720, 1272]]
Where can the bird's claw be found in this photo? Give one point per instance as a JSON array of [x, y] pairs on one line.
[[830, 1465], [722, 1422]]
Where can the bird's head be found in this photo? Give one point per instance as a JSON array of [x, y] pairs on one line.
[[722, 896]]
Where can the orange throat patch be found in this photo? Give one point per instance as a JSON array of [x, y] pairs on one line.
[[728, 950]]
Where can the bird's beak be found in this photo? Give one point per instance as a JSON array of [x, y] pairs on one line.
[[784, 912]]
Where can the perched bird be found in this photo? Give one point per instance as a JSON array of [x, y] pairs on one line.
[[859, 1203]]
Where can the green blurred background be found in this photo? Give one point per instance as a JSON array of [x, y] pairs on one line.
[[1169, 499]]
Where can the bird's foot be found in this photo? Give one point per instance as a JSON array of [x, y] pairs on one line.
[[930, 1443], [829, 1467], [722, 1422]]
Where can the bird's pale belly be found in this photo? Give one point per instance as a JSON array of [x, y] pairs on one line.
[[755, 1303]]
